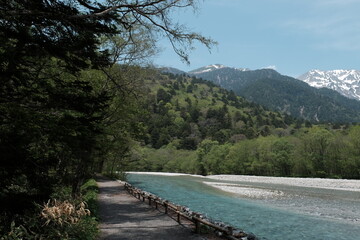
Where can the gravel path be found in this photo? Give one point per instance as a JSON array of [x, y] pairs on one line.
[[124, 217]]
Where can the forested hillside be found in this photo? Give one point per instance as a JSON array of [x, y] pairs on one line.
[[186, 110], [302, 101], [194, 126], [285, 94]]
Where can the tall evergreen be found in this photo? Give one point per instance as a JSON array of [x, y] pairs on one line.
[[56, 113]]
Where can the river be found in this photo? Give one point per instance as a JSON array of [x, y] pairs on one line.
[[271, 208]]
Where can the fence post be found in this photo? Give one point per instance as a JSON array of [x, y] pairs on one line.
[[193, 216], [197, 223], [166, 207], [178, 208], [229, 231]]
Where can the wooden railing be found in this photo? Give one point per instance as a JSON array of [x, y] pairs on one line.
[[184, 212]]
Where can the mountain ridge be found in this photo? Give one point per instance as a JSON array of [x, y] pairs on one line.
[[283, 93], [346, 82]]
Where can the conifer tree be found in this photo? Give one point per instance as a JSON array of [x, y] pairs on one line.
[[50, 114]]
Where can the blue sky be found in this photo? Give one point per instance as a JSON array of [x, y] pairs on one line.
[[291, 36]]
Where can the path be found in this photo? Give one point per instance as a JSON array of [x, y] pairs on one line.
[[124, 217]]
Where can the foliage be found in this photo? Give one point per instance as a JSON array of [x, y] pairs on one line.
[[313, 152], [57, 219], [205, 112], [120, 126], [89, 192], [167, 159], [209, 130], [118, 175], [66, 109]]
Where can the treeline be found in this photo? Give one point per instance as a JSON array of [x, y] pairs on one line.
[[311, 152]]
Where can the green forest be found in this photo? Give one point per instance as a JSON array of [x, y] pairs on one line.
[[193, 126], [70, 74], [78, 97]]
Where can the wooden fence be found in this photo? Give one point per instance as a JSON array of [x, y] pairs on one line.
[[184, 212]]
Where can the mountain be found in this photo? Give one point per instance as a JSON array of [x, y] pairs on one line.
[[346, 82], [213, 67], [283, 93], [184, 110], [232, 78], [171, 70], [300, 100]]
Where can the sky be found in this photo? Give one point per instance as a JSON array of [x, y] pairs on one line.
[[290, 36]]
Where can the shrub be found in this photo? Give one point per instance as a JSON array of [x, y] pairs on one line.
[[60, 219]]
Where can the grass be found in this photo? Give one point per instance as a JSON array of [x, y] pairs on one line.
[[89, 194], [61, 218]]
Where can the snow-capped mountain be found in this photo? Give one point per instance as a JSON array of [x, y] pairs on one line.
[[213, 67], [346, 82], [283, 93], [232, 78]]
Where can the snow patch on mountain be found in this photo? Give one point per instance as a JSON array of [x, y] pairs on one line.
[[213, 67], [208, 68], [346, 82]]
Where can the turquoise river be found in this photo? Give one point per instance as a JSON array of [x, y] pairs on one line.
[[300, 213]]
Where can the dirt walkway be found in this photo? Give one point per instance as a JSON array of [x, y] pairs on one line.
[[124, 217]]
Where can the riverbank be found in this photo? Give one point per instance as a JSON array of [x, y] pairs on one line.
[[324, 183], [124, 217], [163, 174], [273, 207]]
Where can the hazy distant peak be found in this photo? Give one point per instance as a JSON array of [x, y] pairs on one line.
[[213, 67], [207, 68], [171, 70], [216, 66]]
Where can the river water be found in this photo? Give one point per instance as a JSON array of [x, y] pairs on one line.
[[271, 211]]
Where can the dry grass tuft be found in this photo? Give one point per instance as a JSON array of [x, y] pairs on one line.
[[63, 212]]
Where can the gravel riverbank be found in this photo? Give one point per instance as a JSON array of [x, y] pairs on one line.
[[322, 183]]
